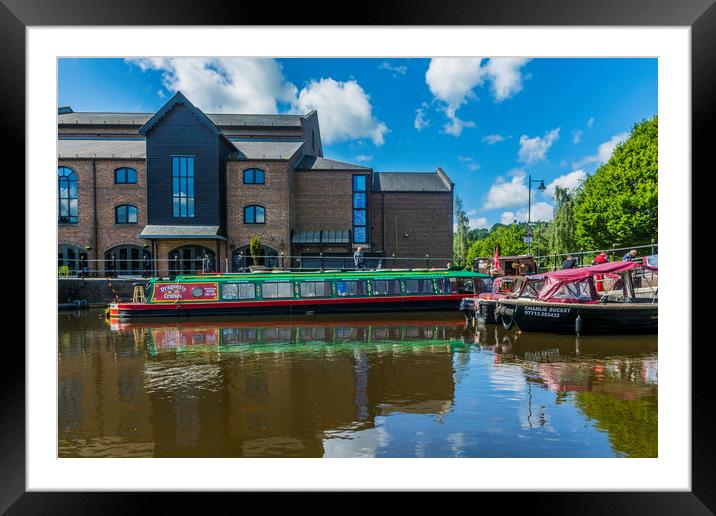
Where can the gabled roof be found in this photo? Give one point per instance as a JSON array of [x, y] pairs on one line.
[[315, 163], [409, 182], [177, 99]]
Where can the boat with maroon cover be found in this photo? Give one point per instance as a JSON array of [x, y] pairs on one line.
[[569, 302], [483, 305]]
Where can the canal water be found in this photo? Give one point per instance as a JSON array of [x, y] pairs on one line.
[[419, 385]]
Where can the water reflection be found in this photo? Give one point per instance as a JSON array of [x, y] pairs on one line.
[[358, 386]]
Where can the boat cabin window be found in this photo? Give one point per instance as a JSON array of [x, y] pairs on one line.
[[579, 290], [465, 285], [485, 284], [532, 288], [385, 287], [315, 289], [350, 288], [238, 291], [276, 289], [418, 286]]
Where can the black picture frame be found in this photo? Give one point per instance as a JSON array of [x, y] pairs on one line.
[[699, 15]]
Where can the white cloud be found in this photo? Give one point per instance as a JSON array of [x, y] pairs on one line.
[[540, 212], [469, 162], [344, 111], [568, 181], [452, 81], [479, 223], [535, 149], [590, 122], [395, 69], [507, 194], [362, 158], [237, 85], [492, 139], [252, 85], [604, 151], [577, 136], [421, 120], [505, 76]]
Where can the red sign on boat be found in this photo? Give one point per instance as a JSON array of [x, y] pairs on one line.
[[174, 292]]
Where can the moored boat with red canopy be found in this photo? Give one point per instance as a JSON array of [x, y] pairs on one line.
[[569, 301]]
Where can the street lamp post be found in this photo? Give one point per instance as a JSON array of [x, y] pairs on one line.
[[541, 188]]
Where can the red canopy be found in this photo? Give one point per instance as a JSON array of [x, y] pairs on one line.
[[576, 285]]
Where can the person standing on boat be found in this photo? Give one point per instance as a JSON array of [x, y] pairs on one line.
[[358, 259], [570, 262], [629, 256], [602, 257]]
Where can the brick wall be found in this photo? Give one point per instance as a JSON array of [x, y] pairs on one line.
[[425, 217], [274, 196]]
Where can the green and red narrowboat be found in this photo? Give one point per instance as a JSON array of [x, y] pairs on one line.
[[283, 292]]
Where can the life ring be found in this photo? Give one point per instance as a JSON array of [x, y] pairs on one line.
[[83, 303], [77, 303]]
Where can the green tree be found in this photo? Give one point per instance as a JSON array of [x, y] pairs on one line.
[[560, 234], [255, 249], [509, 238], [461, 240], [618, 204]]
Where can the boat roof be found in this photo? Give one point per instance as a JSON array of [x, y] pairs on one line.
[[314, 275], [586, 272]]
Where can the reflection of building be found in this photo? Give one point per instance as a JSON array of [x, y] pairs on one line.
[[307, 380], [173, 187]]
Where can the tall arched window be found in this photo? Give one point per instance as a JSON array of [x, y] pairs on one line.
[[125, 214], [125, 175], [254, 214], [191, 258], [129, 260], [254, 176], [67, 209]]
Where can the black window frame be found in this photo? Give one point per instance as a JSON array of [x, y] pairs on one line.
[[253, 171], [126, 213], [313, 285], [184, 199], [254, 206], [125, 170], [422, 282], [70, 179], [391, 281], [354, 292], [357, 209]]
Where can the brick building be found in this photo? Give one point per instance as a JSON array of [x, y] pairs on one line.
[[177, 189]]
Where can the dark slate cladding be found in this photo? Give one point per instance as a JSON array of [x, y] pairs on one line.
[[181, 132]]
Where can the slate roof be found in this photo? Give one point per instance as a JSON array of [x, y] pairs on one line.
[[265, 150], [315, 163], [220, 119], [111, 148], [409, 182], [159, 232]]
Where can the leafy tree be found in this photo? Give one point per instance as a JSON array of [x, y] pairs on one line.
[[255, 249], [509, 238], [461, 239], [618, 204], [560, 232]]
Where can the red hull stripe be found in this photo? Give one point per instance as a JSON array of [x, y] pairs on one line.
[[285, 302]]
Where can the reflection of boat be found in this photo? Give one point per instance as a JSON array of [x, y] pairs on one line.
[[569, 302], [301, 293], [288, 335]]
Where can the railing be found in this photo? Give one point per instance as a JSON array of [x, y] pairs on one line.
[[551, 262], [129, 268]]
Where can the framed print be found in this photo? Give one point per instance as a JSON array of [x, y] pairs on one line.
[[287, 265]]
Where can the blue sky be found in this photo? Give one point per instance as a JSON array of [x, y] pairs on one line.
[[488, 123]]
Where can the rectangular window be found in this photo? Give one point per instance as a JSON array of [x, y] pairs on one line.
[[350, 288], [182, 186], [360, 213], [277, 289], [421, 286], [315, 289], [385, 287], [238, 291]]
